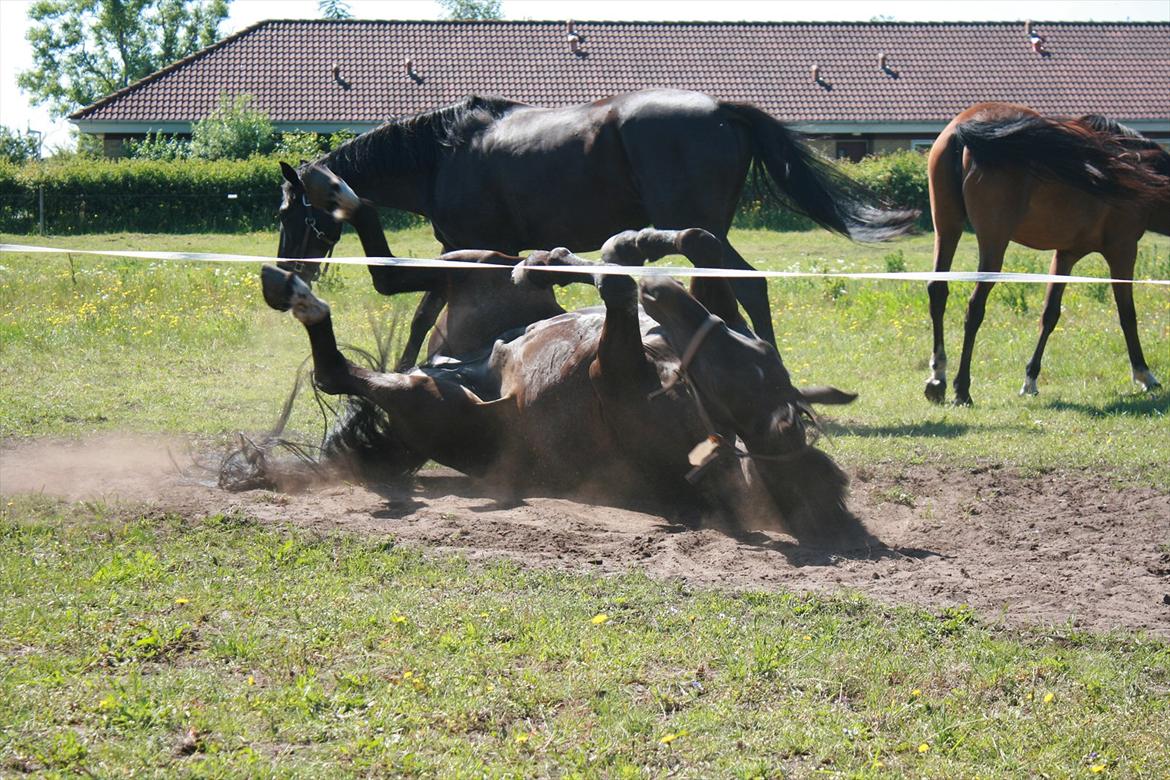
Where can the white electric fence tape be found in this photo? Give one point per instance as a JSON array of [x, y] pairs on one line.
[[637, 271]]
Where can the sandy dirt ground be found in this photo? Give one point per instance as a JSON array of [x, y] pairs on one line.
[[1060, 548]]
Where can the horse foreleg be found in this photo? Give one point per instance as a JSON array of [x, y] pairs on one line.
[[425, 316], [752, 294], [1121, 264], [1062, 263]]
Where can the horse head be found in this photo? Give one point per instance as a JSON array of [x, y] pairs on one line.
[[308, 227], [742, 385]]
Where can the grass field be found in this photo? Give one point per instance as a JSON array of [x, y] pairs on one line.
[[162, 646], [135, 645]]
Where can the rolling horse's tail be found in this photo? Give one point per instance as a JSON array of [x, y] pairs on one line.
[[1102, 163], [810, 185]]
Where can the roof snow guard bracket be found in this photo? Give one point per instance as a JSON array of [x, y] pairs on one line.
[[820, 80], [576, 40], [411, 73]]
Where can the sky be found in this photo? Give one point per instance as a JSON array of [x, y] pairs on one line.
[[15, 53]]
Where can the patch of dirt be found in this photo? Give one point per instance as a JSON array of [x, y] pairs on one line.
[[1023, 550]]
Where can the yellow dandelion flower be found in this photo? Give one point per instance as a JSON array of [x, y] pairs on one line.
[[522, 737], [924, 748], [1097, 768], [1048, 697], [599, 619], [182, 601], [251, 680], [916, 692], [396, 618], [671, 737], [807, 638]]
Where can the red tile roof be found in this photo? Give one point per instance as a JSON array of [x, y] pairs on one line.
[[1121, 70]]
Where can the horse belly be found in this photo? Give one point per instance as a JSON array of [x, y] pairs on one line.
[[1061, 217]]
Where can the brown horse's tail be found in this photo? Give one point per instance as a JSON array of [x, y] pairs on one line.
[[810, 185], [1101, 163]]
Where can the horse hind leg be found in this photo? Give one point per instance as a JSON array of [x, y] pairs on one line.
[[991, 251], [1062, 263], [1121, 265]]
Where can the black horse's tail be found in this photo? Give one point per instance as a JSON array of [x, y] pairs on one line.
[[1104, 164], [811, 185]]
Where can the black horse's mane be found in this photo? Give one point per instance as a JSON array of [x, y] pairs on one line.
[[417, 141]]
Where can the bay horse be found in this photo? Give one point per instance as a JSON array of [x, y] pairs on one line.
[[492, 173], [1076, 186], [612, 399]]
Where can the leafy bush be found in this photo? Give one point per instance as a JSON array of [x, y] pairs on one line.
[[156, 146], [233, 131], [899, 177]]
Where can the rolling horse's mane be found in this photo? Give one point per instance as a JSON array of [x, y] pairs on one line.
[[415, 142]]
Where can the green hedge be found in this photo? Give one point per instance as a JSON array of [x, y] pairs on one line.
[[84, 195]]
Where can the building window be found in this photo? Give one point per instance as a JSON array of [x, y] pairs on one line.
[[852, 150], [922, 144]]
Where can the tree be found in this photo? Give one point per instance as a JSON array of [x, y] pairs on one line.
[[85, 49], [472, 9], [18, 147], [334, 9], [234, 130]]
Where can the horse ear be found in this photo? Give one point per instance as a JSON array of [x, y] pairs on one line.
[[824, 394], [290, 175]]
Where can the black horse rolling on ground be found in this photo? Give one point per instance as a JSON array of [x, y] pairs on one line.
[[491, 173]]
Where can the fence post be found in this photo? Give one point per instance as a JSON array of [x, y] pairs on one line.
[[41, 208]]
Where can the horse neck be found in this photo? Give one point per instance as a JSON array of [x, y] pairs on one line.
[[382, 167]]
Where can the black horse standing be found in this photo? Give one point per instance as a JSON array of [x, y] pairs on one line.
[[491, 173]]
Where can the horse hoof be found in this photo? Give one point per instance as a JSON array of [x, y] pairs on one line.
[[936, 391], [962, 399], [1147, 380], [276, 284], [1029, 387]]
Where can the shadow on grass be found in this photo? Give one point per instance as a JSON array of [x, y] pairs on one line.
[[1137, 405], [935, 429]]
